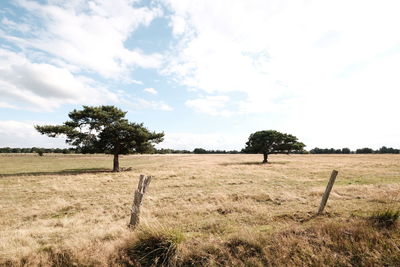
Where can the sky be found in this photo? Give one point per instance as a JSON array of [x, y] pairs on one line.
[[208, 73]]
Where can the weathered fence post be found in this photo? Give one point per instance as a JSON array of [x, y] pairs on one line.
[[144, 182], [327, 191]]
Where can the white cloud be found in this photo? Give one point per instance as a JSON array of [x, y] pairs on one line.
[[211, 105], [23, 134], [21, 27], [6, 105], [90, 34], [178, 25], [140, 103], [42, 86], [151, 91], [317, 63], [132, 81], [271, 48], [211, 141]]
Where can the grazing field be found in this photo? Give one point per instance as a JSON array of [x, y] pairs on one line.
[[69, 210]]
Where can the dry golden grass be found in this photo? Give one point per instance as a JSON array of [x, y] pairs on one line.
[[228, 209]]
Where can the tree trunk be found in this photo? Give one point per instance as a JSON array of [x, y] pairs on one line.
[[265, 158], [116, 163]]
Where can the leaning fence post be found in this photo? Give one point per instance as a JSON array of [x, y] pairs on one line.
[[144, 182], [327, 191]]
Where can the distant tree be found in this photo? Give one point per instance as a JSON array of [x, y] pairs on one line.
[[40, 152], [346, 150], [5, 150], [330, 151], [272, 142], [388, 150], [199, 151], [316, 150], [164, 151], [384, 150], [365, 150], [103, 129]]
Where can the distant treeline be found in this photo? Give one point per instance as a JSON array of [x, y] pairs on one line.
[[195, 151], [366, 150], [37, 150], [77, 151]]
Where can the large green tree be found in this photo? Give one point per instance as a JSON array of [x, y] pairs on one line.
[[272, 142], [103, 129]]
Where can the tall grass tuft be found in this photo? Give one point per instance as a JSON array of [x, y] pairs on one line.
[[60, 258], [385, 218], [151, 248]]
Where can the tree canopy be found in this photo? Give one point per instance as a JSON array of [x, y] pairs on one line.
[[103, 129], [272, 142]]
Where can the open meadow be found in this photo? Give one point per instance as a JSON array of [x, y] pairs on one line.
[[200, 210]]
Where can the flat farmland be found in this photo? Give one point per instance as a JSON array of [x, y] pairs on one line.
[[200, 210]]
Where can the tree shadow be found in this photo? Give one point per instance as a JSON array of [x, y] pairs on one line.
[[62, 172], [253, 163]]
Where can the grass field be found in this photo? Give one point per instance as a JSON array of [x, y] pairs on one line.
[[229, 210]]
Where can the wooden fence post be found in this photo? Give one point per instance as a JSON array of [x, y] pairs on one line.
[[327, 192], [144, 182]]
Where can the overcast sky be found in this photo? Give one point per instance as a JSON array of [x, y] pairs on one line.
[[207, 73]]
